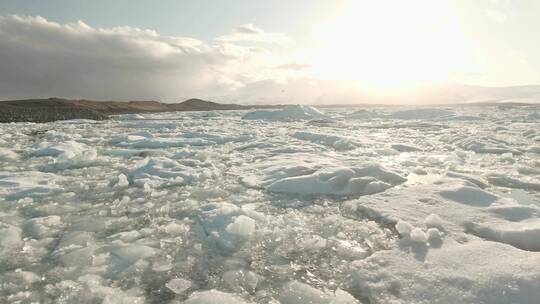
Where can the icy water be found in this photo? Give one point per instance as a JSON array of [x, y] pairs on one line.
[[290, 206]]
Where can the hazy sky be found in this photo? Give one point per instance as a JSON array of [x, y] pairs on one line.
[[262, 51]]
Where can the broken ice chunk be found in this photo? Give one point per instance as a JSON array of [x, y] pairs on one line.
[[179, 285]]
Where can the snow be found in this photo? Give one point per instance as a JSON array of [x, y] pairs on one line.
[[469, 195], [524, 236], [476, 272], [381, 205]]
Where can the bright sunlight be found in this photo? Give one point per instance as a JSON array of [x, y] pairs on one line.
[[392, 45]]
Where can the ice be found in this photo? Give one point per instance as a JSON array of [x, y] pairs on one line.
[[510, 182], [211, 296], [66, 149], [7, 154], [31, 184], [535, 150], [421, 113], [469, 195], [68, 155], [337, 142], [364, 114], [298, 293], [405, 148], [485, 144], [404, 228], [492, 273], [433, 234], [242, 226], [524, 235], [178, 286], [345, 181], [298, 205], [161, 172], [289, 113], [241, 280], [122, 181], [10, 241], [227, 226], [130, 117], [461, 225], [418, 235], [127, 255], [515, 213], [41, 227], [434, 220], [475, 180]]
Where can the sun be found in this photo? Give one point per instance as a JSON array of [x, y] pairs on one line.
[[391, 45]]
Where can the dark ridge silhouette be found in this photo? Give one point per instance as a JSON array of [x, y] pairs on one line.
[[52, 109]]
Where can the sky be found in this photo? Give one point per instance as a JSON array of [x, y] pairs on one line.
[[302, 51]]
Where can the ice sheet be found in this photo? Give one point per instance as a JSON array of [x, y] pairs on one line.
[[298, 205]]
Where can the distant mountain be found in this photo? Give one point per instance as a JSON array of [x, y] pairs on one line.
[[51, 109], [436, 94], [479, 94]]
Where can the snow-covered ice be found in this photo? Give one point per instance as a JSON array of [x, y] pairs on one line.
[[289, 113], [298, 205]]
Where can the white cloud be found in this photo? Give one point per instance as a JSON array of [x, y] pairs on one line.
[[249, 29], [495, 15], [250, 33], [294, 66], [40, 58]]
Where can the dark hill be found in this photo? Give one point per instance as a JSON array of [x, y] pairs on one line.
[[51, 109]]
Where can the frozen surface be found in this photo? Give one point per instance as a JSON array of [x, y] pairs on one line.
[[289, 113], [299, 205]]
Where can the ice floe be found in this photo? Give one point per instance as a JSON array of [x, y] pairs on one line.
[[336, 142], [421, 113], [7, 154], [339, 181], [161, 172], [289, 113], [297, 205]]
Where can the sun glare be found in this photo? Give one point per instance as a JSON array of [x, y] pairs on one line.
[[392, 44]]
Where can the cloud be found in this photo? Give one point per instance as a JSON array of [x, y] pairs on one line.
[[249, 29], [495, 15], [250, 33], [294, 66], [40, 58]]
